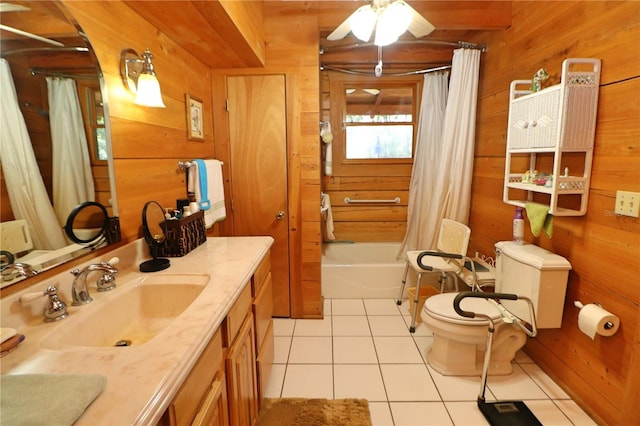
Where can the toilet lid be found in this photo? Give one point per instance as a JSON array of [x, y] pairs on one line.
[[441, 306]]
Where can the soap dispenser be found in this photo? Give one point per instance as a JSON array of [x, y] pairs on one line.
[[518, 226]]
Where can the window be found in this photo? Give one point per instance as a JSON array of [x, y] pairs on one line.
[[379, 122]]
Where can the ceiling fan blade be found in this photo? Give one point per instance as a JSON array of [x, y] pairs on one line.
[[345, 27], [419, 26]]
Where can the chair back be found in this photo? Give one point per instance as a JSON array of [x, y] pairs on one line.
[[453, 237]]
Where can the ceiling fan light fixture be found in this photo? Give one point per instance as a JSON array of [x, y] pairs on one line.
[[393, 21], [362, 23]]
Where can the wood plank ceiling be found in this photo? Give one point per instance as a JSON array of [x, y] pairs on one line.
[[220, 33]]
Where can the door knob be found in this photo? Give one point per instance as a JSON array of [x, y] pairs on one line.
[[280, 215]]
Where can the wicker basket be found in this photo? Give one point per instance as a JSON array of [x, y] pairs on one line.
[[183, 235]]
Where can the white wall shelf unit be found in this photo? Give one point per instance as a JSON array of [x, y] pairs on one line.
[[554, 121]]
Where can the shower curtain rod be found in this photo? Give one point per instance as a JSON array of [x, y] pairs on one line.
[[80, 49], [29, 35], [53, 73], [460, 44], [324, 67]]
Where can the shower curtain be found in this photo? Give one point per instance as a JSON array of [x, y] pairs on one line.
[[72, 179], [443, 175], [26, 190]]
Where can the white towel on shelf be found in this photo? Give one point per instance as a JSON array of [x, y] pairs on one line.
[[212, 202], [326, 206]]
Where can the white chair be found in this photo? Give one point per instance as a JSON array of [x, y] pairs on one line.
[[453, 239]]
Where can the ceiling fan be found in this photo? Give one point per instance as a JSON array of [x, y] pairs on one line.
[[389, 18]]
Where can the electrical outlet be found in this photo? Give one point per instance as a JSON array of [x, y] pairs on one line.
[[627, 203]]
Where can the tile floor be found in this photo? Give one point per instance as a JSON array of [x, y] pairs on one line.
[[363, 349]]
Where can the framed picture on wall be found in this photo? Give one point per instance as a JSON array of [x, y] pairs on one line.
[[195, 127]]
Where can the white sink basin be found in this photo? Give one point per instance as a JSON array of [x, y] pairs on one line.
[[131, 315]]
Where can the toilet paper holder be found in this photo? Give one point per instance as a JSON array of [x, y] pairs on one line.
[[578, 304]]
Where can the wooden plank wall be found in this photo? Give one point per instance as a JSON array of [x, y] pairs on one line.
[[147, 142], [291, 37], [603, 249]]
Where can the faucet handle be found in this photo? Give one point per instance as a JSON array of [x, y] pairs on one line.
[[113, 261], [108, 279], [55, 310]]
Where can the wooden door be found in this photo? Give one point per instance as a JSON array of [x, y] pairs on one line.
[[258, 151]]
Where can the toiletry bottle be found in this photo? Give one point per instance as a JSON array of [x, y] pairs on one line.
[[518, 226]]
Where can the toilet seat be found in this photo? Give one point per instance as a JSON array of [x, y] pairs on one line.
[[440, 307]]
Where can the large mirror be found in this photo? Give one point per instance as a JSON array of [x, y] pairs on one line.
[[64, 160]]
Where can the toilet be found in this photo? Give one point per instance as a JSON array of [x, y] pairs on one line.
[[459, 343]]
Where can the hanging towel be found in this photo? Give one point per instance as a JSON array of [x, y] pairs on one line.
[[539, 219], [205, 181], [325, 206], [327, 138]]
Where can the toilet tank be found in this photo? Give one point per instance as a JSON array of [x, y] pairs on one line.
[[531, 271]]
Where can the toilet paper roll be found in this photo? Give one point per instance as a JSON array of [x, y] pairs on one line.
[[593, 320]]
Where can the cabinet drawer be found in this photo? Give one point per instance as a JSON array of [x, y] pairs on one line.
[[265, 362], [214, 411], [236, 315], [263, 310], [261, 274], [189, 397]]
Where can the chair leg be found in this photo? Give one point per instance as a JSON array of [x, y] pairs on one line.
[[416, 299], [404, 282]]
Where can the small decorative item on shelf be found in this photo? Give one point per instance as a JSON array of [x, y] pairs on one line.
[[540, 76], [184, 235]]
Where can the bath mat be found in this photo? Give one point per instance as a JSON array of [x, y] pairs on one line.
[[314, 412]]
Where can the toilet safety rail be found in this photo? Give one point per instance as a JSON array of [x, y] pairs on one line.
[[529, 328]]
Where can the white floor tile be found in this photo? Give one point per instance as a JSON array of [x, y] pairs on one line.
[[518, 385], [522, 358], [311, 350], [354, 350], [380, 414], [397, 350], [327, 307], [421, 329], [282, 345], [308, 381], [283, 326], [575, 413], [465, 413], [358, 381], [351, 325], [420, 414], [347, 307], [381, 307], [549, 387], [313, 327], [456, 388], [276, 379], [408, 382], [423, 343], [548, 413], [388, 325]]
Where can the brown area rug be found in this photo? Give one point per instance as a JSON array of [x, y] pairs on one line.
[[314, 412]]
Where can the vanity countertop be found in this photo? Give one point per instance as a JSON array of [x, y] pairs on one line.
[[142, 380]]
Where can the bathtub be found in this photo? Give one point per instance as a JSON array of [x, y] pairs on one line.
[[362, 270]]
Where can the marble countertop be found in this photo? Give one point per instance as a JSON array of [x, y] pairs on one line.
[[141, 380]]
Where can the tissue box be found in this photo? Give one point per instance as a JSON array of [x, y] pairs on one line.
[[183, 235]]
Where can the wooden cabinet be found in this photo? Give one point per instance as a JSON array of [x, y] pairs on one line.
[[227, 383], [203, 396], [552, 131], [262, 307]]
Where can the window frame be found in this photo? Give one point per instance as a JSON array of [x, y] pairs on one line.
[[368, 167]]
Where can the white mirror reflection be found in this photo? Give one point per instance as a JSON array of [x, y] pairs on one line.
[[56, 151]]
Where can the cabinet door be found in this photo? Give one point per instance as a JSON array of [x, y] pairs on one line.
[[214, 411], [242, 390]]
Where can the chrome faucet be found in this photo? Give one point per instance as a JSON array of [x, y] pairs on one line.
[[13, 270], [107, 281]]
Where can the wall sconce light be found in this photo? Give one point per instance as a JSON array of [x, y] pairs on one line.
[[140, 78]]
